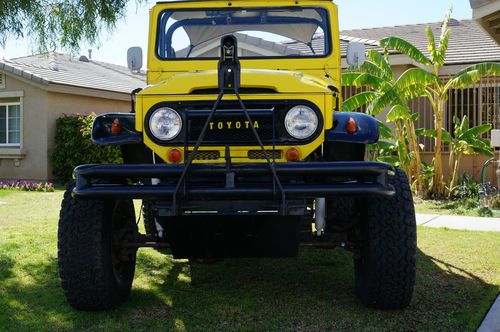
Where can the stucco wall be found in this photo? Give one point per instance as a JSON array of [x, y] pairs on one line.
[[33, 165], [40, 110], [59, 104]]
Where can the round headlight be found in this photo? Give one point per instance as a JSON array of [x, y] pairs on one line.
[[165, 124], [301, 122]]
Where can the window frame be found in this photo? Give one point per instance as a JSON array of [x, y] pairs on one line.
[[2, 81], [12, 145], [328, 44]]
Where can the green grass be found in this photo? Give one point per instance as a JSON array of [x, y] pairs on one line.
[[459, 207], [458, 278]]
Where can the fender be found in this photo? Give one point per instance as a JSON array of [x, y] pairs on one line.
[[115, 129], [367, 133]]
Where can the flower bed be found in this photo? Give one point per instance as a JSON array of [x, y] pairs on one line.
[[21, 185]]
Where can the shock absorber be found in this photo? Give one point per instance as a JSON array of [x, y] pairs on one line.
[[320, 215]]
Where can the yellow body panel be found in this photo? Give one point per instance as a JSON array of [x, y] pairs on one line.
[[299, 78]]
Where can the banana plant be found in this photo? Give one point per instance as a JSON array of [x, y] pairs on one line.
[[465, 140], [426, 79], [387, 91]]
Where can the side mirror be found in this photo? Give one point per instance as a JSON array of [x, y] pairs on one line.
[[134, 59], [355, 54]]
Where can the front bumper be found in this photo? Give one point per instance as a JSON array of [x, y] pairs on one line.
[[304, 180]]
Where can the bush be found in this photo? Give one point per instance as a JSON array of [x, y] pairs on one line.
[[485, 212], [74, 147], [468, 187], [495, 202]]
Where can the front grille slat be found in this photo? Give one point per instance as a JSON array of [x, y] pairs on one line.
[[205, 155], [259, 154]]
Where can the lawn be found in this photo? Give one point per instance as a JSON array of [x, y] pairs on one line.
[[459, 207], [458, 278]]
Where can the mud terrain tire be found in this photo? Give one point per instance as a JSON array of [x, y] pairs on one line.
[[96, 273], [385, 268], [148, 216]]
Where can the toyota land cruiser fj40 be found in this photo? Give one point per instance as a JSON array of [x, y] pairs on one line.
[[237, 147]]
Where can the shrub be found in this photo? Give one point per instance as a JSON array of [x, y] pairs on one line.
[[495, 202], [27, 186], [468, 187], [74, 147], [485, 212]]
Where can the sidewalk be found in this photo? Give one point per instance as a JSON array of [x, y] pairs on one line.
[[459, 222], [491, 322]]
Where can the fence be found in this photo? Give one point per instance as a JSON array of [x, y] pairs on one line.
[[481, 104]]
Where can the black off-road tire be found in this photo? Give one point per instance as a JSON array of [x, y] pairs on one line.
[[148, 216], [342, 213], [385, 269], [94, 274]]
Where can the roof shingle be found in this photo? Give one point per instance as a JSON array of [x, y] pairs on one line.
[[468, 42], [63, 69]]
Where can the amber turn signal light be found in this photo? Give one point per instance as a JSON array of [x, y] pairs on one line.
[[292, 154], [174, 156], [351, 126], [116, 127]]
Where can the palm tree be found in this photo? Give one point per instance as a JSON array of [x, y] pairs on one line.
[[389, 91], [435, 89]]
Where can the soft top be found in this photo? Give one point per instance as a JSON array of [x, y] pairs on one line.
[[302, 31]]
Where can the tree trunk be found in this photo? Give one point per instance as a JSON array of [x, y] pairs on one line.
[[451, 174], [417, 162], [456, 169], [438, 188], [402, 140]]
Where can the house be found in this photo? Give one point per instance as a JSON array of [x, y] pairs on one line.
[[469, 44], [36, 90], [248, 46], [487, 14]]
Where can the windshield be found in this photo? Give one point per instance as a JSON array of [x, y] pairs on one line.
[[261, 33]]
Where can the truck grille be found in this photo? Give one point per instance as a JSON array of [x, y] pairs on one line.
[[259, 154], [205, 155], [233, 128], [230, 125]]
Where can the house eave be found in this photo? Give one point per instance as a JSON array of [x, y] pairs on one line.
[[82, 91], [487, 15], [45, 85]]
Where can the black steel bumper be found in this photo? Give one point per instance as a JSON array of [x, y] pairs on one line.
[[302, 180]]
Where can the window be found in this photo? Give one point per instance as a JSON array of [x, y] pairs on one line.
[[2, 81], [287, 32], [480, 103], [10, 124]]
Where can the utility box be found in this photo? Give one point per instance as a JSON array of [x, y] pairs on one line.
[[495, 138]]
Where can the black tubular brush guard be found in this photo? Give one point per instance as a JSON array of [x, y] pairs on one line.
[[299, 180]]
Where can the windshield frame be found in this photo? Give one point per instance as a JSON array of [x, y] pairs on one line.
[[323, 11]]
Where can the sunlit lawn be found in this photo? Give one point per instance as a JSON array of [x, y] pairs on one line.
[[459, 207], [458, 278]]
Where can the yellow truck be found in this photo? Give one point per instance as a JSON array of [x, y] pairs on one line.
[[237, 147]]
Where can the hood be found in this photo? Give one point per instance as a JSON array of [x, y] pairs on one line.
[[279, 80]]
